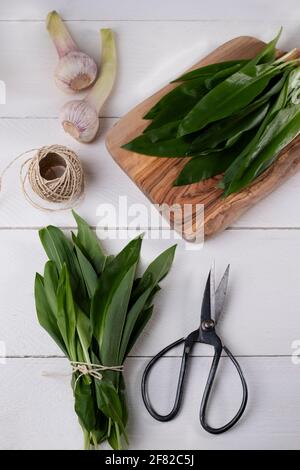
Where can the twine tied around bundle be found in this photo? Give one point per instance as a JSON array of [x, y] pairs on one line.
[[54, 173], [92, 370]]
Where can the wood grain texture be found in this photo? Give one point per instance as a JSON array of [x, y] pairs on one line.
[[154, 176]]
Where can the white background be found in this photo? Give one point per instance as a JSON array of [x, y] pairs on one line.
[[156, 40]]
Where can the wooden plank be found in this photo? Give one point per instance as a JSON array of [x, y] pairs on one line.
[[106, 183], [142, 70], [155, 176], [37, 406], [261, 315], [107, 10]]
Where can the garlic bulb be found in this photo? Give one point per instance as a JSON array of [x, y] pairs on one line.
[[80, 118], [76, 70]]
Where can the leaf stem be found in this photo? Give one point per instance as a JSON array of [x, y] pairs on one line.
[[118, 436], [60, 35], [94, 439], [86, 440], [103, 86]]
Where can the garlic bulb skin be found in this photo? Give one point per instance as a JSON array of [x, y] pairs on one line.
[[80, 120], [75, 71]]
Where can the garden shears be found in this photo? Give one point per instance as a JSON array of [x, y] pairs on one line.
[[212, 307]]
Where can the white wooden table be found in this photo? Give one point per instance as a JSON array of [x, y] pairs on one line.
[[156, 40]]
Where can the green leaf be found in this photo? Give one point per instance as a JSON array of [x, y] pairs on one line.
[[110, 302], [88, 273], [60, 250], [250, 151], [182, 98], [139, 326], [214, 80], [45, 315], [268, 53], [155, 272], [173, 148], [160, 267], [84, 331], [51, 285], [278, 134], [164, 132], [229, 97], [85, 404], [209, 70], [206, 166], [66, 312], [109, 402], [114, 325], [90, 244], [131, 320], [228, 129]]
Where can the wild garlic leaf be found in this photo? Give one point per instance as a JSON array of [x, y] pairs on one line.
[[209, 70], [45, 315], [228, 129], [139, 326], [58, 248], [90, 244], [85, 404], [66, 312], [279, 133], [115, 319], [182, 99], [84, 332], [103, 308], [172, 148], [229, 97], [51, 284], [88, 273], [131, 319], [160, 267], [183, 96]]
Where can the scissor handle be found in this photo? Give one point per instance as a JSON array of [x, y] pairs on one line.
[[178, 397], [208, 388]]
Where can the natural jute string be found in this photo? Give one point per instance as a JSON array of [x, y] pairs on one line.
[[92, 370], [41, 173]]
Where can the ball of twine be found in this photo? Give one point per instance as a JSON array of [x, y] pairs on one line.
[[55, 174]]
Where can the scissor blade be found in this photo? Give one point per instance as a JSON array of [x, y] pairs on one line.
[[221, 295], [206, 302]]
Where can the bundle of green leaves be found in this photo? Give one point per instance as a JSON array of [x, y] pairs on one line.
[[95, 307], [231, 117]]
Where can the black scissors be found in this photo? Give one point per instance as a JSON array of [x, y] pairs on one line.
[[212, 307]]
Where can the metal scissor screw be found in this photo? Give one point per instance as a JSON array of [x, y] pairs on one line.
[[207, 325]]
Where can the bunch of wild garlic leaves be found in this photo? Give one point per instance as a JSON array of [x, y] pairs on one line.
[[231, 118], [95, 307]]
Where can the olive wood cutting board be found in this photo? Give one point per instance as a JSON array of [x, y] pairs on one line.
[[154, 176]]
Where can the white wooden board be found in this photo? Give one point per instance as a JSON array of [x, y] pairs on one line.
[[261, 317], [194, 10], [37, 406], [150, 54], [106, 182]]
